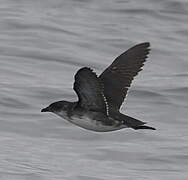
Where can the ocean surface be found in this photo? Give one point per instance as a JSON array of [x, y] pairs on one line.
[[43, 43]]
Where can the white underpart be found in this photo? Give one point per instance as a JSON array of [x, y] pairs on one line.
[[87, 123]]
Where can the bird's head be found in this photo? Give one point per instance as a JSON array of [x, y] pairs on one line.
[[57, 107]]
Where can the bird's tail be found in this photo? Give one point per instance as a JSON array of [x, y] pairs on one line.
[[143, 127], [135, 123]]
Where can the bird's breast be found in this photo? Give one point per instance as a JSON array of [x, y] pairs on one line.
[[89, 123], [94, 121]]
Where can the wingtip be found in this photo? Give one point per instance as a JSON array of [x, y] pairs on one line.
[[147, 47], [84, 69], [147, 44]]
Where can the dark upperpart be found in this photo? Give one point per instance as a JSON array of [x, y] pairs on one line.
[[106, 93], [58, 106]]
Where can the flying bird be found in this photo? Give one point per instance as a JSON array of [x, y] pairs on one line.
[[100, 97]]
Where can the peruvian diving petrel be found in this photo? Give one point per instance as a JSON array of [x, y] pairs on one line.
[[100, 97]]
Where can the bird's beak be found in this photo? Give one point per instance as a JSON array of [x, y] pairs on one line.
[[45, 109]]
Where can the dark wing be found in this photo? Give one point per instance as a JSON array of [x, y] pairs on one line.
[[89, 90], [118, 76]]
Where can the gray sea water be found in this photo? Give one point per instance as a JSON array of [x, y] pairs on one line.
[[43, 43]]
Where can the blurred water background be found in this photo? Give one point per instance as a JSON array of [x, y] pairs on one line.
[[43, 43]]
